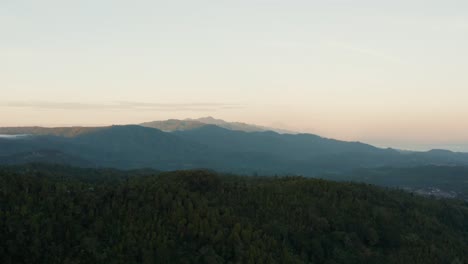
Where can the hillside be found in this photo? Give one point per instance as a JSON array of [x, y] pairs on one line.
[[64, 215]]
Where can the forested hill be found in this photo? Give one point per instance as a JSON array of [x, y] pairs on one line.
[[55, 214]]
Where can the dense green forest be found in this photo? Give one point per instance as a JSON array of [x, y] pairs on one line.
[[58, 214]]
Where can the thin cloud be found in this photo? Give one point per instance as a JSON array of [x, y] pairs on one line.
[[366, 51], [138, 106]]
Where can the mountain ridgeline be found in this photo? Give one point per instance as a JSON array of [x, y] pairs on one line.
[[202, 145]]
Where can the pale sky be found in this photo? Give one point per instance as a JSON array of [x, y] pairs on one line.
[[391, 73]]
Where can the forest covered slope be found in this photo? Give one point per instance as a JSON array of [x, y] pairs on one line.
[[56, 214]]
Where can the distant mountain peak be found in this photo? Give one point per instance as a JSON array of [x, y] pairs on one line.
[[210, 120], [171, 125], [440, 150]]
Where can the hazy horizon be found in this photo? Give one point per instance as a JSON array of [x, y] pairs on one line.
[[390, 74]]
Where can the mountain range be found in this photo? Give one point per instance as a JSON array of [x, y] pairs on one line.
[[207, 143]]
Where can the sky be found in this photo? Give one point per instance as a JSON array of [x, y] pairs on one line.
[[390, 73]]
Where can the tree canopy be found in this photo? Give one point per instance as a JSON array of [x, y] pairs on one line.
[[57, 214]]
